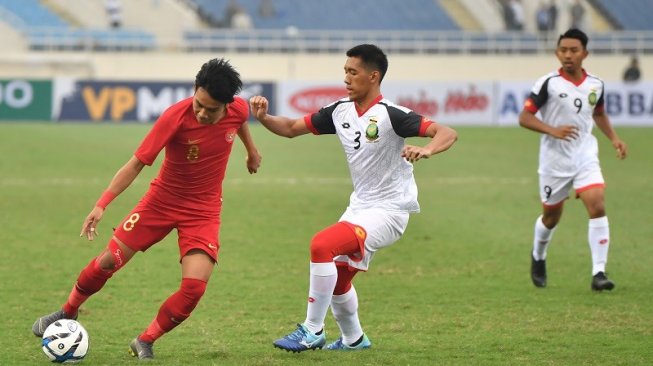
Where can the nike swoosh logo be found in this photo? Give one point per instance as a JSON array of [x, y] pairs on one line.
[[193, 142], [211, 246]]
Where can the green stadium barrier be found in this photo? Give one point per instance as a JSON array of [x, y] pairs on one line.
[[22, 99]]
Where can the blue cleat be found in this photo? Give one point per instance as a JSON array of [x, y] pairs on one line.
[[301, 340], [339, 346]]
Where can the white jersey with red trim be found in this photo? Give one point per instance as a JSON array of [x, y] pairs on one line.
[[373, 140], [563, 102]]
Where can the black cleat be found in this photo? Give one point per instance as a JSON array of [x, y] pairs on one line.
[[538, 272], [600, 282]]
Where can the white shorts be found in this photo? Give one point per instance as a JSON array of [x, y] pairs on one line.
[[383, 228], [554, 190]]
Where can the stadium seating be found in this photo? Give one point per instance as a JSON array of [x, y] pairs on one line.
[[628, 15], [32, 13], [45, 30], [341, 14]]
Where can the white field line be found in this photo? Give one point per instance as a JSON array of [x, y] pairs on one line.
[[286, 181]]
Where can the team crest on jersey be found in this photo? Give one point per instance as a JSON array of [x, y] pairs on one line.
[[372, 130], [230, 135], [193, 152], [592, 97]]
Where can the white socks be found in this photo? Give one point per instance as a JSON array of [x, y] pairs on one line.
[[598, 236], [323, 281], [599, 239], [345, 309], [541, 239]]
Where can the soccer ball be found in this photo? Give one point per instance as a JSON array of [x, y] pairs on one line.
[[65, 341]]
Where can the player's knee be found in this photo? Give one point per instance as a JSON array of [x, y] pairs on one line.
[[192, 290], [550, 222], [596, 210], [321, 248], [113, 258], [551, 217]]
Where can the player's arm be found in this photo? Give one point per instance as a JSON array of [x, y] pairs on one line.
[[442, 138], [282, 126], [603, 123], [253, 156], [527, 119], [121, 180]]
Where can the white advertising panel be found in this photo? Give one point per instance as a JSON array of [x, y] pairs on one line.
[[626, 104], [455, 103]]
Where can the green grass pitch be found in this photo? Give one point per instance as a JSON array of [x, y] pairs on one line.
[[455, 290]]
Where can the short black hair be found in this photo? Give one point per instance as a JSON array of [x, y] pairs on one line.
[[219, 79], [372, 56], [575, 34]]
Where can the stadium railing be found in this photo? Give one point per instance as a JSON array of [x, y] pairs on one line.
[[420, 42], [321, 41], [76, 39]]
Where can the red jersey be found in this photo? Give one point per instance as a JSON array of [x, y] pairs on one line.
[[196, 155]]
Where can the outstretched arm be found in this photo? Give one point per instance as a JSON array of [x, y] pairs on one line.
[[530, 121], [442, 138], [253, 157], [282, 126], [121, 180], [604, 125]]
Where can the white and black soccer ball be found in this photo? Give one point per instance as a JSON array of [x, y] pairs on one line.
[[65, 341]]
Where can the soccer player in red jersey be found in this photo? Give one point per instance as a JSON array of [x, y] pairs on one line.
[[197, 134], [570, 102]]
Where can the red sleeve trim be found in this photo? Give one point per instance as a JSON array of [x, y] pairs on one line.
[[530, 106], [309, 124], [424, 125]]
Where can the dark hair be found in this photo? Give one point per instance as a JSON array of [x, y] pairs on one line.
[[372, 57], [575, 34], [219, 79]]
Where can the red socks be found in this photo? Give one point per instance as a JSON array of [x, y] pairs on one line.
[[175, 309], [90, 280]]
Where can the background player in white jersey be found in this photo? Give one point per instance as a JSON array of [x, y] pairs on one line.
[[570, 101], [372, 132]]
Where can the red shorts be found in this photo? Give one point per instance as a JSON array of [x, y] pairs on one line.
[[148, 223]]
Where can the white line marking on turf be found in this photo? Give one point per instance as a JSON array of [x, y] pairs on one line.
[[257, 180]]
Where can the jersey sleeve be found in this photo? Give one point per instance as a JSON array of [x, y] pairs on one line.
[[158, 137], [321, 122], [240, 108], [600, 104], [408, 123], [539, 95]]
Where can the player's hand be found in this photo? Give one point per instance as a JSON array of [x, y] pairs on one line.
[[253, 162], [566, 132], [259, 106], [89, 227], [414, 153], [620, 146]]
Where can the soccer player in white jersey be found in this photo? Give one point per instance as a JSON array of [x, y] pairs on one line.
[[570, 101], [372, 132]]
